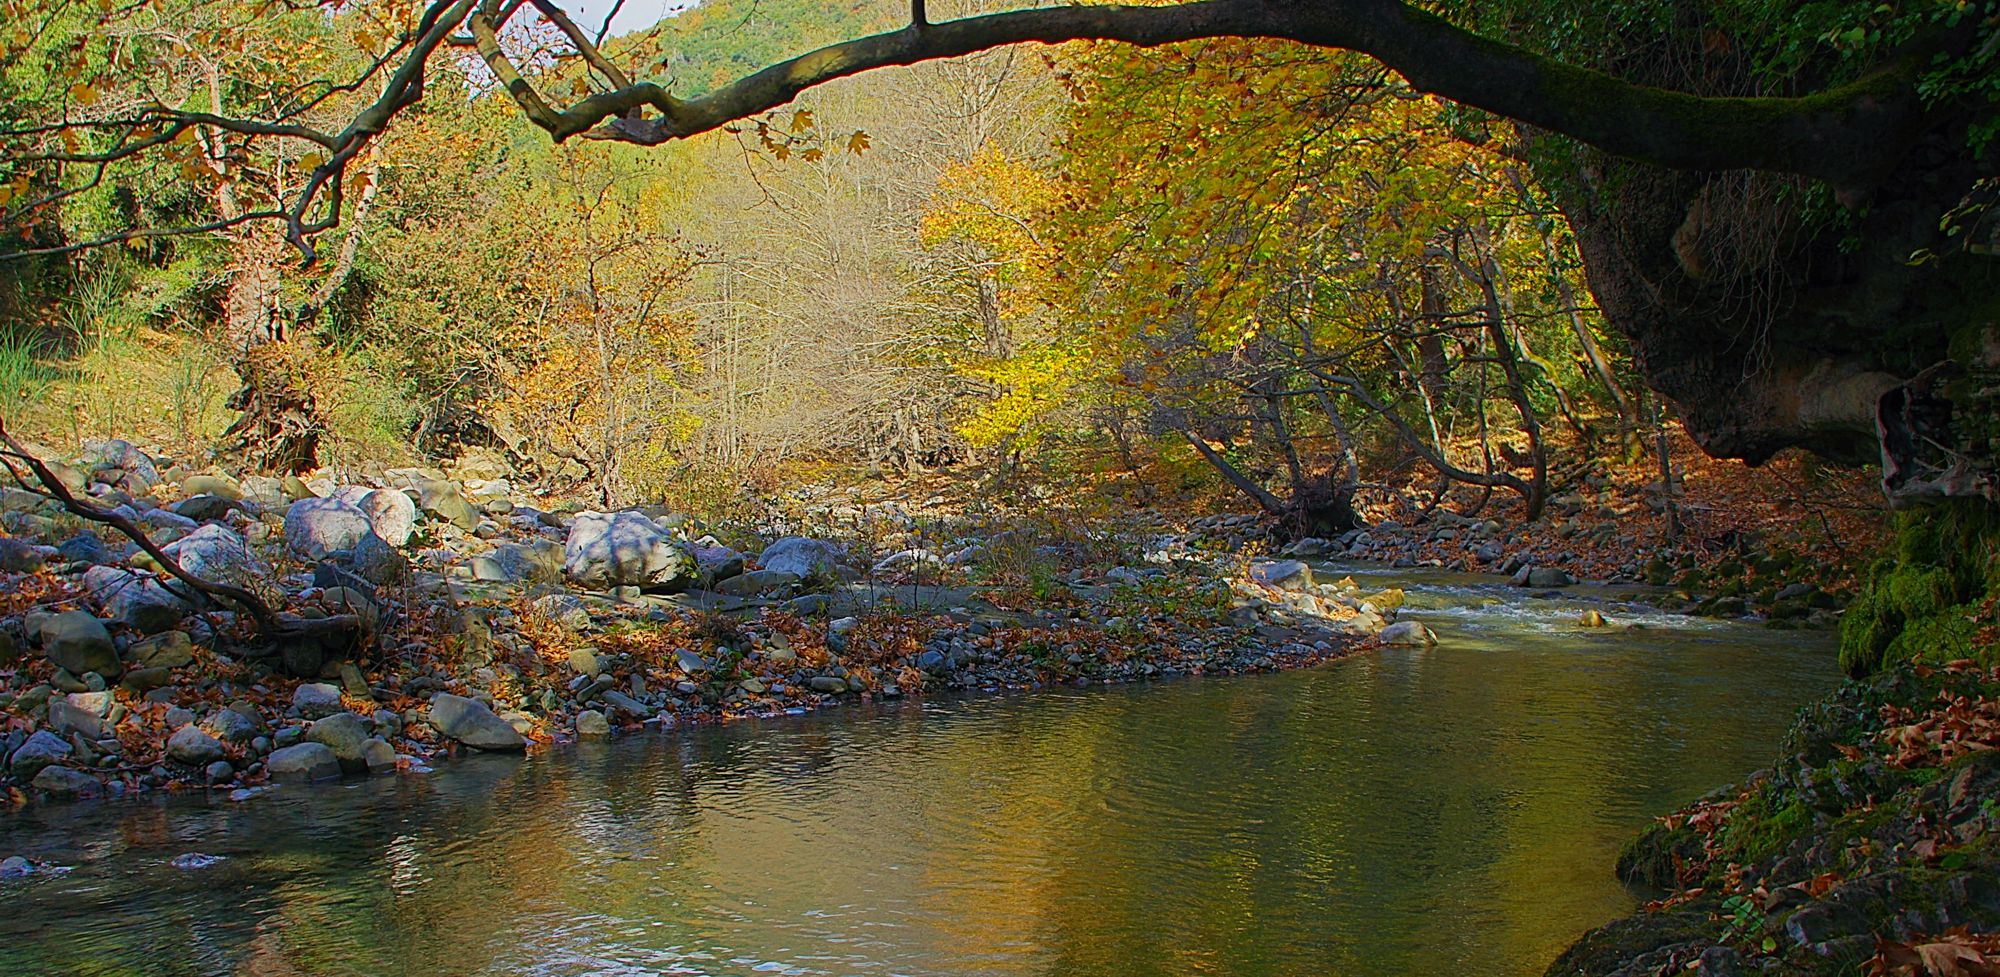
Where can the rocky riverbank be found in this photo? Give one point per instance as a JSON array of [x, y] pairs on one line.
[[1869, 847], [491, 619]]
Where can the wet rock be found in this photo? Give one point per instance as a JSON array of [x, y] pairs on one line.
[[378, 756], [1407, 634], [40, 750], [139, 601], [317, 528], [219, 772], [64, 782], [79, 642], [1591, 619], [1549, 577], [191, 746], [317, 700], [591, 724], [302, 763], [810, 559], [469, 722], [615, 549]]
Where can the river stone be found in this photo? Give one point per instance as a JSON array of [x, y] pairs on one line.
[[220, 486], [443, 500], [1549, 577], [231, 726], [85, 547], [1283, 575], [65, 782], [302, 763], [469, 722], [347, 736], [378, 756], [317, 700], [39, 751], [216, 553], [810, 559], [191, 746], [139, 601], [80, 712], [79, 642], [623, 549], [168, 649], [317, 528], [392, 514], [101, 456], [20, 556], [1591, 619], [202, 508], [591, 725], [535, 561], [625, 704], [757, 582], [827, 683], [1407, 634]]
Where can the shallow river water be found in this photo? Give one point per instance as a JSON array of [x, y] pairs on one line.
[[1453, 811]]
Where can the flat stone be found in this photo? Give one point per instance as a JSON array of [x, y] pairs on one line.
[[80, 712]]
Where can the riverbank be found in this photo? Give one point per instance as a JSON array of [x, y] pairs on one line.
[[1869, 847], [488, 622]]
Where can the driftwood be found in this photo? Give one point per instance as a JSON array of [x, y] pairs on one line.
[[272, 627]]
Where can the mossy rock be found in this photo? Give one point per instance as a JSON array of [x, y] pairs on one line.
[[1917, 607]]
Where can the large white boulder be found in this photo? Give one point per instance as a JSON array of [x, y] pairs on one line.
[[624, 549]]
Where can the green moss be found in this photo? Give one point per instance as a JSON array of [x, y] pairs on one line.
[[1917, 606]]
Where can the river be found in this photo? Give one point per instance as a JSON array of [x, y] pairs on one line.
[[1451, 811]]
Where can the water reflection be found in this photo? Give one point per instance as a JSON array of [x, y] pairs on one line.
[[1445, 811]]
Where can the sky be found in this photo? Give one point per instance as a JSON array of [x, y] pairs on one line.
[[635, 15]]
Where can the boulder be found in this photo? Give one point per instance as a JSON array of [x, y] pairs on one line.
[[217, 553], [591, 725], [392, 514], [443, 500], [302, 763], [535, 561], [317, 528], [374, 560], [103, 456], [317, 700], [624, 549], [191, 746], [39, 751], [20, 556], [469, 722], [811, 559], [80, 643], [202, 508], [168, 649], [378, 756], [1548, 577], [230, 726], [346, 734], [66, 782], [137, 600], [80, 712]]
